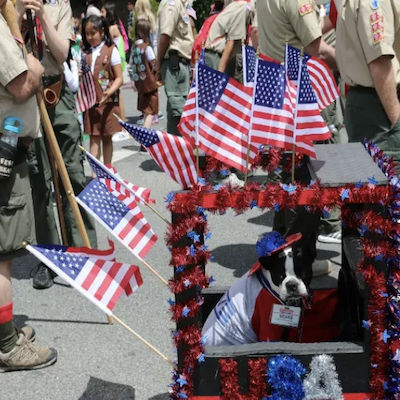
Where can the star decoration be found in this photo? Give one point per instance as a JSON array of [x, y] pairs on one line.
[[170, 196], [385, 336], [345, 194], [366, 324], [291, 189], [397, 356]]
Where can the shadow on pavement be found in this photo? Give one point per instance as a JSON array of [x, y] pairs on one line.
[[150, 165], [265, 219], [161, 396], [22, 320], [238, 257], [104, 390]]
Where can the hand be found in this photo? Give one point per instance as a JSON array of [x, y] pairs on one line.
[[34, 66], [106, 96], [35, 5]]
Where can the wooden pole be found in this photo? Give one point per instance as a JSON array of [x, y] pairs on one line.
[[10, 17], [53, 166], [147, 204]]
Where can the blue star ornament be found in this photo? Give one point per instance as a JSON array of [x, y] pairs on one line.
[[289, 188], [366, 324], [182, 381], [385, 336], [345, 194], [372, 181]]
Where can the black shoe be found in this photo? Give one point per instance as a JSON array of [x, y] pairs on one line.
[[43, 277]]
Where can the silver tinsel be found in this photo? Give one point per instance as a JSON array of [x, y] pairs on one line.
[[322, 383]]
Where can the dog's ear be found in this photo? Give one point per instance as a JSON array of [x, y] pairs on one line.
[[272, 261], [265, 262]]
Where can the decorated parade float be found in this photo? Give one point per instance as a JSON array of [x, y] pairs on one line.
[[356, 352]]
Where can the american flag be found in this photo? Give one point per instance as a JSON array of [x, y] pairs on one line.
[[249, 56], [112, 179], [121, 216], [86, 96], [101, 281], [224, 109], [173, 154], [322, 80], [309, 123], [274, 105]]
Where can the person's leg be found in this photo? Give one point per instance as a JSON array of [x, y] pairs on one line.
[[107, 149], [8, 335], [176, 85], [69, 139], [95, 146], [148, 120]]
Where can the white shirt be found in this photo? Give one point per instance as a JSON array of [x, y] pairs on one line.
[[115, 56], [149, 51]]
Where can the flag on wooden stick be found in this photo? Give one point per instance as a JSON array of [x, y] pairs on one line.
[[86, 96]]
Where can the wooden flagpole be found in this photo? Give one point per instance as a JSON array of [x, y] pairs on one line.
[[99, 304], [9, 15], [295, 112], [252, 112], [147, 204]]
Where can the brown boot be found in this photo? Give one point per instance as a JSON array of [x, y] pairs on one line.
[[26, 356]]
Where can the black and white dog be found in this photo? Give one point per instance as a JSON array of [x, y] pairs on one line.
[[267, 299]]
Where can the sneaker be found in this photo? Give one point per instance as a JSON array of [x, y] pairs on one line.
[[334, 237], [321, 268], [26, 356], [160, 116], [120, 136], [140, 121], [43, 277], [28, 332]]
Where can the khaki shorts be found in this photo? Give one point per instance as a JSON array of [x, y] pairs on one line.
[[17, 223]]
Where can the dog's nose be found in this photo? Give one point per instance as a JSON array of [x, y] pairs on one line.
[[291, 286]]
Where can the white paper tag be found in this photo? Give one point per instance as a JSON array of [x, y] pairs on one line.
[[285, 316]]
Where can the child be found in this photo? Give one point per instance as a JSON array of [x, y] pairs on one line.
[[143, 60], [105, 62]]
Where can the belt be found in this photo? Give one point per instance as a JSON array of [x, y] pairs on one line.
[[51, 80], [181, 59], [369, 90]]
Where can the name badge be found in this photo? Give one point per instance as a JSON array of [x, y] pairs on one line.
[[285, 315]]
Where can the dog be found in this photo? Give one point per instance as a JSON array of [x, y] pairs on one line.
[[280, 277]]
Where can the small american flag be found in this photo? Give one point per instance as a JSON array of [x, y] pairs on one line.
[[309, 123], [109, 173], [173, 154], [101, 281], [322, 80], [273, 113], [86, 96], [120, 215], [249, 56], [224, 109]]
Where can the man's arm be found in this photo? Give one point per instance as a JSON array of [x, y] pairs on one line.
[[226, 55], [326, 25], [384, 81], [25, 85], [162, 48], [254, 37], [318, 48], [58, 46]]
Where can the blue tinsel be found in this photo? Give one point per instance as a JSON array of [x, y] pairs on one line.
[[285, 378], [268, 242]]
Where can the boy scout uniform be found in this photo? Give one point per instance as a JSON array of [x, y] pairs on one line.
[[231, 24], [297, 19], [68, 133], [367, 30], [17, 223], [174, 22]]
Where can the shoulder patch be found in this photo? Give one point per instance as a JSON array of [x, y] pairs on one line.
[[305, 9], [377, 37], [374, 4]]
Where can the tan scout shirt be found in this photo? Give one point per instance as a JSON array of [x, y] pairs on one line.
[[60, 13], [297, 19], [367, 30], [173, 21], [231, 24], [12, 64]]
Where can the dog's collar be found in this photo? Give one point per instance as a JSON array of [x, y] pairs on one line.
[[264, 283]]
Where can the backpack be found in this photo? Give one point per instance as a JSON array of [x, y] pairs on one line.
[[202, 36]]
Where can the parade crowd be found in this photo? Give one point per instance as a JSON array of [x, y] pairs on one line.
[[360, 42]]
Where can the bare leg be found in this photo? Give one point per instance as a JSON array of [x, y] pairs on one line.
[[95, 149], [121, 107], [107, 149], [148, 120], [5, 283]]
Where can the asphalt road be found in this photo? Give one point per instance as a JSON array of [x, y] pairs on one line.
[[97, 361]]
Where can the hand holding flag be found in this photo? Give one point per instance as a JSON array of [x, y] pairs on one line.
[[86, 95]]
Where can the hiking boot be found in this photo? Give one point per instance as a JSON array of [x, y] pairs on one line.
[[321, 268], [334, 238], [26, 356], [28, 332], [43, 278]]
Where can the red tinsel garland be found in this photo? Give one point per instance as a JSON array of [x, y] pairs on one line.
[[189, 278], [230, 382], [179, 230]]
